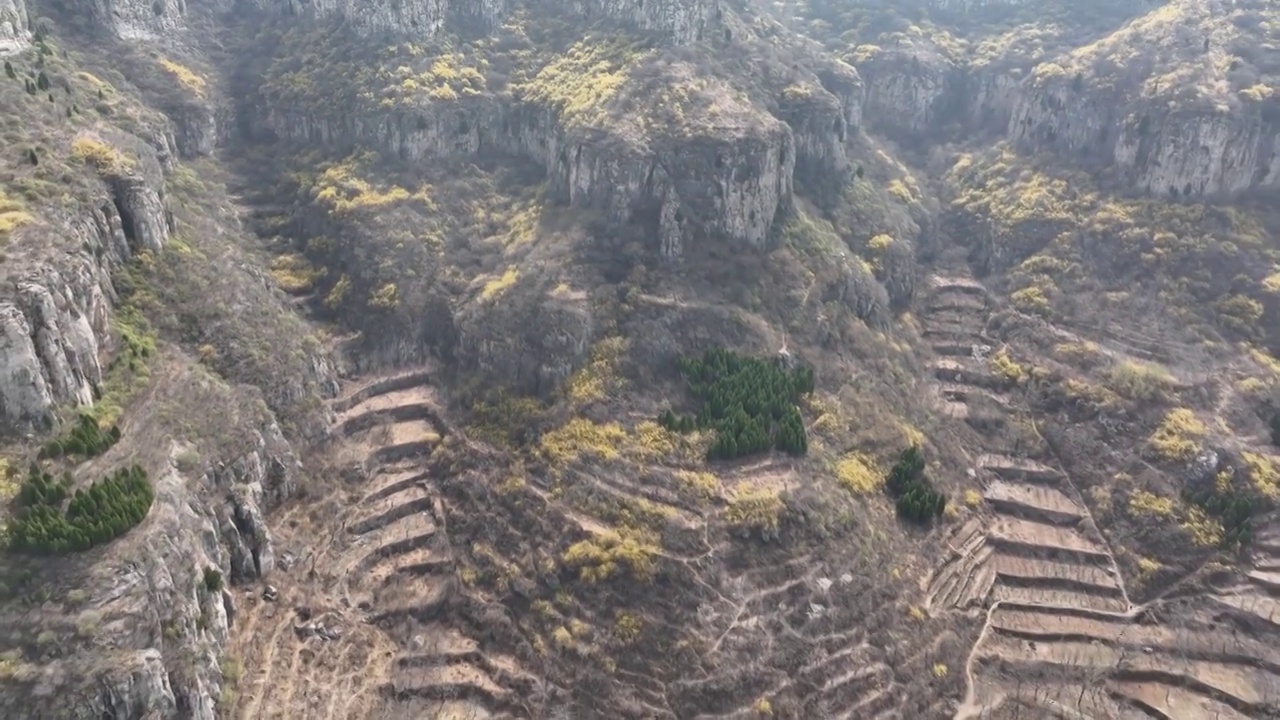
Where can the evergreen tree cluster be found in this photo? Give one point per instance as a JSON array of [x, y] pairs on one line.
[[107, 510], [749, 402], [86, 439], [41, 488], [1234, 507], [916, 499]]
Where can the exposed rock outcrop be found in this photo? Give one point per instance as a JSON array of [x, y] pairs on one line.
[[476, 16], [1205, 150], [263, 477], [54, 328], [962, 9], [532, 345], [423, 18], [908, 88], [683, 21], [14, 35], [166, 620], [1182, 121], [137, 19], [198, 129], [726, 175], [820, 125]]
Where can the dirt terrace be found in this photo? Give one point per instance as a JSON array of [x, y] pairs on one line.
[[360, 627], [1060, 637]]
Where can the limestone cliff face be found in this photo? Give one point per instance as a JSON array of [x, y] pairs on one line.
[[413, 18], [418, 17], [908, 89], [1176, 122], [727, 183], [1194, 151], [970, 7], [198, 129], [136, 19], [916, 90], [55, 325], [477, 16], [14, 35], [822, 117], [683, 21]]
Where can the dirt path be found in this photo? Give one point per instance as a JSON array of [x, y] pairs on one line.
[[1088, 514], [979, 579]]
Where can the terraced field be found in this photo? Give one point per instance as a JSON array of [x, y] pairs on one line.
[[1034, 542], [371, 622], [1060, 637]]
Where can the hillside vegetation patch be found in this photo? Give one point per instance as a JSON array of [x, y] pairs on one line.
[[913, 492], [751, 403], [104, 512], [86, 438]]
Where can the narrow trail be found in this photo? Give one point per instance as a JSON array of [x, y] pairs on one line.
[[1088, 514], [950, 317], [969, 707], [1030, 625]]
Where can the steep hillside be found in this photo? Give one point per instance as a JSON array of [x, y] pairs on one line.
[[114, 313], [675, 359]]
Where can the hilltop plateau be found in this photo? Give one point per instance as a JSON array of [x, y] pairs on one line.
[[649, 359]]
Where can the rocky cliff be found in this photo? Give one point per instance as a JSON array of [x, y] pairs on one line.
[[135, 19], [703, 155], [15, 33], [108, 290], [56, 326], [683, 21], [1202, 120], [1195, 117], [680, 21], [157, 612]]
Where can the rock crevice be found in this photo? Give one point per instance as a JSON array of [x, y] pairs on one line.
[[56, 326]]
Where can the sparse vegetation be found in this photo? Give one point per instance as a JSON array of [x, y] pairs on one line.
[[212, 580], [1007, 367], [13, 215], [1177, 437], [496, 286], [185, 76], [598, 377], [294, 273], [1226, 506], [859, 474], [582, 82], [601, 557], [758, 511], [341, 187], [580, 437], [107, 159], [1139, 381]]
